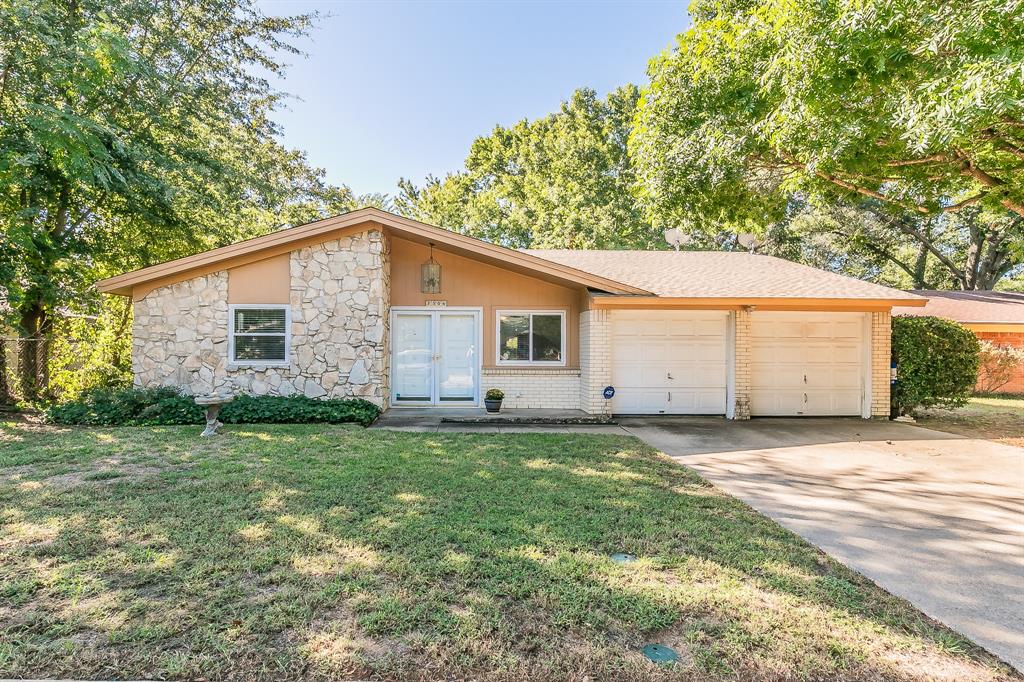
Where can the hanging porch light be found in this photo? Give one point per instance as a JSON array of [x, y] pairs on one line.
[[430, 275]]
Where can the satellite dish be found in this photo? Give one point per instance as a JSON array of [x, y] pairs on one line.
[[749, 241], [675, 237]]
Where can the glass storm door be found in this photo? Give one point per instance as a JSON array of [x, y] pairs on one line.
[[436, 357], [456, 358], [412, 374]]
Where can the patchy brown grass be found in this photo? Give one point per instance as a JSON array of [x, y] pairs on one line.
[[312, 552]]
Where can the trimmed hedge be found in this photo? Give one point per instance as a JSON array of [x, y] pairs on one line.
[[937, 363], [165, 406]]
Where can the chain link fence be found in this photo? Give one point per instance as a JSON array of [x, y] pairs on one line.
[[23, 368]]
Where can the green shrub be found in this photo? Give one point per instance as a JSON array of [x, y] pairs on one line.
[[937, 363], [266, 409], [494, 394], [107, 406], [165, 406]]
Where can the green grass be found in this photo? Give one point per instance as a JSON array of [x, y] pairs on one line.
[[280, 552], [998, 418]]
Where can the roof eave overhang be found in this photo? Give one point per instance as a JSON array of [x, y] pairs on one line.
[[758, 303], [278, 242]]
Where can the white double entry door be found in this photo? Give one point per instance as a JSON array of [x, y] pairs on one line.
[[435, 357]]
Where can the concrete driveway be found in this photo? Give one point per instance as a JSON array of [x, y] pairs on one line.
[[934, 518]]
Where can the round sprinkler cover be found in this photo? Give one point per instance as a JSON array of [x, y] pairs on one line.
[[621, 558], [659, 653]]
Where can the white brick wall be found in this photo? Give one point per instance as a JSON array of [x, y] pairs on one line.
[[741, 407], [535, 387], [595, 361], [881, 356]]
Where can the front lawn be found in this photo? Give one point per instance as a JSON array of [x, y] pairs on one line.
[[281, 552], [995, 418]]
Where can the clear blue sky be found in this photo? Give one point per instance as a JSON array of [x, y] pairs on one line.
[[392, 89]]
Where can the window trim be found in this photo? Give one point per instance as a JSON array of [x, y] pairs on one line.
[[563, 314], [232, 307]]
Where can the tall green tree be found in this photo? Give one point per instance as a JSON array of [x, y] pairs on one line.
[[134, 131], [969, 249], [914, 106], [562, 181]]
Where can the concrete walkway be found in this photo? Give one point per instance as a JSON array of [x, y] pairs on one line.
[[431, 420], [934, 518]]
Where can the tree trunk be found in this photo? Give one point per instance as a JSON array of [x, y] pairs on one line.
[[5, 391], [921, 268], [33, 355]]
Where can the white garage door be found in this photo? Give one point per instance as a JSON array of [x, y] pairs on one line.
[[807, 364], [668, 362]]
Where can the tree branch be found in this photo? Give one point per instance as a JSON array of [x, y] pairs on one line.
[[953, 208], [924, 239], [934, 158], [1002, 143]]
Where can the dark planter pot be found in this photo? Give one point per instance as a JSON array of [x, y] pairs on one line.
[[492, 405]]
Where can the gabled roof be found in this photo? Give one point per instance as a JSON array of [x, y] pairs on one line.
[[288, 239], [723, 274], [978, 307]]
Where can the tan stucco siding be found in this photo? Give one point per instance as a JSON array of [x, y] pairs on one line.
[[466, 282], [265, 281]]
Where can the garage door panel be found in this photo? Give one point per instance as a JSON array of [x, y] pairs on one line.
[[712, 328], [848, 330], [682, 327], [815, 353], [669, 362], [776, 402], [708, 375], [831, 402], [807, 364], [845, 377], [652, 328]]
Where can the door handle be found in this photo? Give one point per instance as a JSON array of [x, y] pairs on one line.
[[670, 396], [805, 397]]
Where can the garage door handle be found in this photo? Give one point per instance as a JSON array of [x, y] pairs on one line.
[[669, 375], [670, 396], [805, 397]]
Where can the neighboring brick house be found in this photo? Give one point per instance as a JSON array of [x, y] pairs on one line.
[[369, 304], [993, 316]]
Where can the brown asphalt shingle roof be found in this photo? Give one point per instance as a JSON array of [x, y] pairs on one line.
[[994, 307], [718, 274]]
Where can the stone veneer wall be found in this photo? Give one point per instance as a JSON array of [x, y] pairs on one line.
[[339, 305], [535, 388]]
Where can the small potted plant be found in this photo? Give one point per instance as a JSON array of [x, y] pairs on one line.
[[493, 398]]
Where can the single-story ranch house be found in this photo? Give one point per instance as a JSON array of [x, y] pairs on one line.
[[373, 305]]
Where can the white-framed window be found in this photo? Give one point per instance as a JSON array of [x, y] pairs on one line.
[[530, 337], [259, 334]]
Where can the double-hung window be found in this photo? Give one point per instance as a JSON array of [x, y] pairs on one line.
[[258, 334], [531, 338]]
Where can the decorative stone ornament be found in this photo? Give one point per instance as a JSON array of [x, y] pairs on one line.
[[212, 403], [430, 275]]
